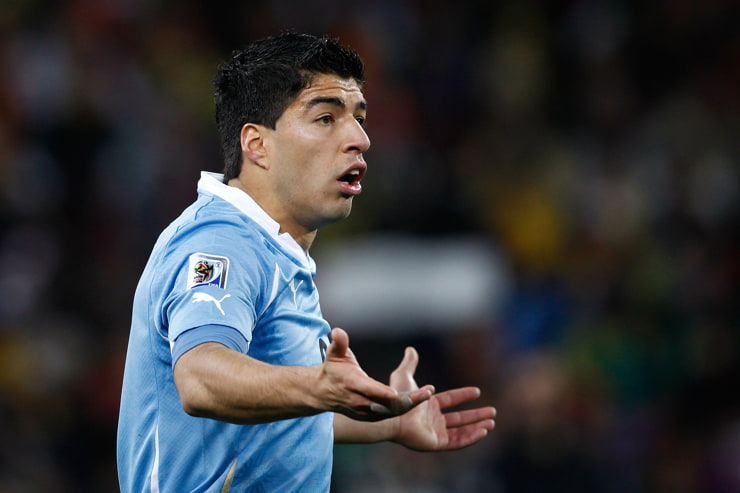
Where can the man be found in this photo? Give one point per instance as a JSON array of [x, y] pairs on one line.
[[233, 380]]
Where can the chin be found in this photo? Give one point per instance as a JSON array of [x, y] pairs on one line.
[[337, 215]]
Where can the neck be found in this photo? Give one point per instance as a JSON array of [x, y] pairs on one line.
[[305, 240], [303, 237]]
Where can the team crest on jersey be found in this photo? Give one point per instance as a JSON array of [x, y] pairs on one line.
[[207, 270]]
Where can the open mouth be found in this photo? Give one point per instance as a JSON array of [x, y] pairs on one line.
[[350, 182], [351, 177]]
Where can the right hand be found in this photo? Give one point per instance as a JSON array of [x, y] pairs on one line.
[[350, 391]]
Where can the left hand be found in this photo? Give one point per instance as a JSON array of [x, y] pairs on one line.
[[426, 427]]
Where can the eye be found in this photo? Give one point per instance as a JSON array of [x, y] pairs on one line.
[[361, 120], [325, 119]]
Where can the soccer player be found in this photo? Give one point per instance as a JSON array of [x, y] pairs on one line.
[[233, 379]]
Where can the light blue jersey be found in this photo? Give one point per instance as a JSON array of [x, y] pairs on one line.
[[222, 265]]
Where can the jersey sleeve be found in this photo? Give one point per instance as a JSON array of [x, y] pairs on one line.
[[228, 336], [219, 279]]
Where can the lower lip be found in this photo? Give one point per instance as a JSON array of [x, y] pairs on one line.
[[353, 188]]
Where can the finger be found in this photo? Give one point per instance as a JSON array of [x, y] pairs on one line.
[[357, 381], [395, 407], [422, 394], [463, 418], [339, 347], [402, 377], [410, 361], [377, 392], [366, 387], [468, 435], [455, 397], [404, 403]]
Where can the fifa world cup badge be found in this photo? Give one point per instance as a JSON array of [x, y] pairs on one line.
[[207, 270]]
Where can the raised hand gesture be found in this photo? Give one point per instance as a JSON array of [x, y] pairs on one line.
[[428, 427]]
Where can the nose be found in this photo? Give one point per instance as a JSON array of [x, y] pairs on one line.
[[357, 141]]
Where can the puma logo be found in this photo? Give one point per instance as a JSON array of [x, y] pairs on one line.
[[200, 296], [291, 285], [294, 289]]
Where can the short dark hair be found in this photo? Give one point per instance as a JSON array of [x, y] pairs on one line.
[[258, 83]]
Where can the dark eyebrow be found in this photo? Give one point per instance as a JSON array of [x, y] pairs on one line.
[[333, 101]]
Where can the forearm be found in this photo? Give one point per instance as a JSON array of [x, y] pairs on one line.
[[348, 430], [216, 382]]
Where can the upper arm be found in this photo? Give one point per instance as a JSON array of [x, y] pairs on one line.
[[211, 276]]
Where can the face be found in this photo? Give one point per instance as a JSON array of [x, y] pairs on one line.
[[315, 154]]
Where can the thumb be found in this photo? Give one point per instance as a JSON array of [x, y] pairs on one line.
[[403, 376], [339, 347]]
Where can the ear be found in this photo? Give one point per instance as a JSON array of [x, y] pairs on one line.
[[252, 139]]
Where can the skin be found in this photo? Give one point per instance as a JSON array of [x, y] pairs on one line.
[[294, 172], [428, 426], [217, 382]]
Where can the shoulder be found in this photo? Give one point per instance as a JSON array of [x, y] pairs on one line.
[[212, 233], [211, 223]]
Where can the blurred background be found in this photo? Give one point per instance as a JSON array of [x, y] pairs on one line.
[[550, 213]]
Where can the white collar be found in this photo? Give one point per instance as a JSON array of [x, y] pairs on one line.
[[213, 183]]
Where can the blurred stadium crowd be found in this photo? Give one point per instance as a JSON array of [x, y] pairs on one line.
[[593, 144]]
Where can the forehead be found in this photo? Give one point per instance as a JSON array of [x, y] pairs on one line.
[[327, 85]]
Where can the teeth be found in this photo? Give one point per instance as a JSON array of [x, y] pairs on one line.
[[354, 172]]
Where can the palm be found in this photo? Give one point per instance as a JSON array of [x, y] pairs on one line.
[[427, 427], [423, 428]]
